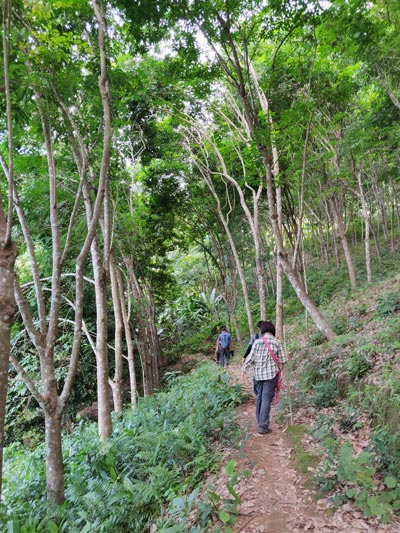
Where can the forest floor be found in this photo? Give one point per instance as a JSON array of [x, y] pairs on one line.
[[276, 498]]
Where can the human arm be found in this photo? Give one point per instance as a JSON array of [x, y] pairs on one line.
[[248, 361], [248, 350], [282, 357]]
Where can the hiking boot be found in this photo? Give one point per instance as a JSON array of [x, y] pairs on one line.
[[264, 431]]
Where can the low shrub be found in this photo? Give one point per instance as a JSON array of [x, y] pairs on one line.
[[354, 477], [386, 447], [325, 393], [387, 303], [158, 452]]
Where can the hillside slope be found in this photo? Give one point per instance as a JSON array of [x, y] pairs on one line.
[[347, 394]]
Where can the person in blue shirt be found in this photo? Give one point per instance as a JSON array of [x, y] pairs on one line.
[[223, 349]]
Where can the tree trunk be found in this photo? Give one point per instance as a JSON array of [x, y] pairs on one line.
[[125, 310], [147, 338], [379, 196], [101, 261], [8, 253], [279, 275], [207, 178], [344, 242], [116, 383], [54, 461], [318, 319], [103, 388], [365, 216], [271, 163]]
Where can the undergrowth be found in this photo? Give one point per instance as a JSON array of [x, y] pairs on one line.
[[159, 452], [351, 383]]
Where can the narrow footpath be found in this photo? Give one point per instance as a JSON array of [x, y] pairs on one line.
[[275, 498]]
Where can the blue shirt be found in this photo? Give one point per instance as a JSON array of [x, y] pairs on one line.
[[224, 339]]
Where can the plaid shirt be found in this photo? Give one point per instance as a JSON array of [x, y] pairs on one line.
[[264, 366]]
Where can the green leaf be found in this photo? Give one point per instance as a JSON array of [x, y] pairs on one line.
[[230, 467], [52, 526], [224, 516], [396, 505], [390, 482], [113, 473], [364, 458], [179, 503], [350, 493], [232, 491], [373, 504], [87, 528], [128, 485]]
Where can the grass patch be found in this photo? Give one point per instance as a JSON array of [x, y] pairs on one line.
[[302, 459]]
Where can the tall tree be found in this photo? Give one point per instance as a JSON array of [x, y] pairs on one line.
[[229, 36], [43, 329], [8, 251]]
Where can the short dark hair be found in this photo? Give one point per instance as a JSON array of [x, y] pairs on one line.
[[222, 328], [267, 327], [259, 324]]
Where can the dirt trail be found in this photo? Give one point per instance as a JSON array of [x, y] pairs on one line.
[[274, 499]]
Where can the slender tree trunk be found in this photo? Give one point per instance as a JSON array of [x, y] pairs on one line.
[[8, 251], [205, 172], [394, 212], [147, 338], [235, 255], [101, 267], [279, 273], [155, 341], [270, 159], [125, 311], [44, 335], [318, 319], [379, 196], [240, 77], [116, 383], [231, 297], [103, 388], [365, 215], [343, 239], [8, 255]]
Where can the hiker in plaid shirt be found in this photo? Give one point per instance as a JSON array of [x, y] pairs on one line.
[[265, 372]]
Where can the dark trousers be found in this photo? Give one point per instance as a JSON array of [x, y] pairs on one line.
[[265, 391], [224, 356]]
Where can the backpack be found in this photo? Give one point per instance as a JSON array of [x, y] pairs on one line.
[[224, 340]]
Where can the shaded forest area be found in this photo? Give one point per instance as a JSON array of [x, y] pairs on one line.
[[168, 168]]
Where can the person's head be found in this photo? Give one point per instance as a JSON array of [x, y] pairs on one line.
[[259, 323], [222, 328], [267, 327]]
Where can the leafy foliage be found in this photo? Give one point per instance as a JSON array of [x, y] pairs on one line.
[[387, 304], [353, 477], [210, 505], [158, 452]]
